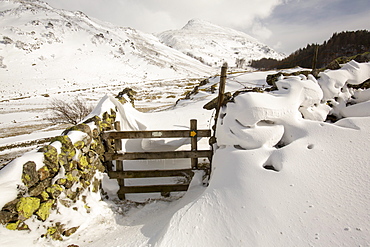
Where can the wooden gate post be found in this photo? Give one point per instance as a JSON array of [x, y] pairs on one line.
[[194, 143], [119, 163], [220, 99], [221, 90]]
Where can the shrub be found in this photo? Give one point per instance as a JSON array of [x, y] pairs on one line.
[[69, 112]]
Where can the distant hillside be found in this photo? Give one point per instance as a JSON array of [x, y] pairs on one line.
[[43, 50], [213, 45], [347, 44]]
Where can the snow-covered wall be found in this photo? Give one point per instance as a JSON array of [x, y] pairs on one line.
[[49, 189]]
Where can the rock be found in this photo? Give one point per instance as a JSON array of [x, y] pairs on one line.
[[44, 210], [11, 206], [39, 188], [271, 79], [44, 196], [55, 232], [61, 181], [50, 158], [66, 202], [70, 231], [67, 146], [96, 185], [95, 133], [50, 154], [79, 145], [71, 195], [54, 191], [95, 119], [82, 164], [79, 127], [19, 225], [27, 206], [333, 65], [29, 175], [6, 217], [130, 95], [43, 173]]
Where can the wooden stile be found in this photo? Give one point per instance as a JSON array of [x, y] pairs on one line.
[[120, 174]]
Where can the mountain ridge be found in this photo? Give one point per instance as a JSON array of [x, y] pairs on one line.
[[220, 44], [39, 44]]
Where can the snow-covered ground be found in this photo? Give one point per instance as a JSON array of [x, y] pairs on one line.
[[281, 175]]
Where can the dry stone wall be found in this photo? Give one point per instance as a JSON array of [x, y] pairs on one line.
[[69, 168]]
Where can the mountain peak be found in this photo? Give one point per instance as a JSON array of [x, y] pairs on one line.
[[213, 45]]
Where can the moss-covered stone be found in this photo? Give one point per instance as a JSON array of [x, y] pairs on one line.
[[13, 226], [61, 181], [29, 174], [44, 210], [105, 126], [50, 158], [79, 127], [98, 147], [54, 191], [44, 173], [39, 188], [95, 133], [27, 206], [50, 154], [18, 225], [44, 196], [67, 146], [83, 163], [79, 145], [54, 232], [73, 176]]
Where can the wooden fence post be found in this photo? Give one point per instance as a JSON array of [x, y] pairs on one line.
[[221, 93], [194, 143], [119, 163]]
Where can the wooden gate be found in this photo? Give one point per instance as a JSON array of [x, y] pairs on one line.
[[120, 173]]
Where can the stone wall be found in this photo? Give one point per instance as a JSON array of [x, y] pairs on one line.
[[71, 163]]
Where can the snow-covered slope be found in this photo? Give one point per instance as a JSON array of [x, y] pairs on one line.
[[214, 45], [44, 50], [281, 175]]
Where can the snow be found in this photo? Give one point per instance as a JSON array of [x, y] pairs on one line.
[[213, 45], [46, 42], [281, 176]]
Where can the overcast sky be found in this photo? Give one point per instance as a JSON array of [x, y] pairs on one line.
[[285, 25]]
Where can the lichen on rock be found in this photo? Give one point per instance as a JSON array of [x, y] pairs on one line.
[[27, 206], [44, 210], [29, 174]]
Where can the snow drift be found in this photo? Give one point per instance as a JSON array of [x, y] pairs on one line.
[[311, 189]]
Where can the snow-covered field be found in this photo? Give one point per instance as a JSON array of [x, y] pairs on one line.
[[282, 176]]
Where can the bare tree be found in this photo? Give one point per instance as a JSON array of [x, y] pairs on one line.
[[69, 112]]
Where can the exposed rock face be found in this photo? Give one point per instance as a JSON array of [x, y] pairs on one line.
[[69, 169]]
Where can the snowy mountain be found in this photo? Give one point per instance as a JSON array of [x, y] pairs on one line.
[[39, 44], [212, 44]]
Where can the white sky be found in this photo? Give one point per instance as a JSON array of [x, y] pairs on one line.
[[285, 25]]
